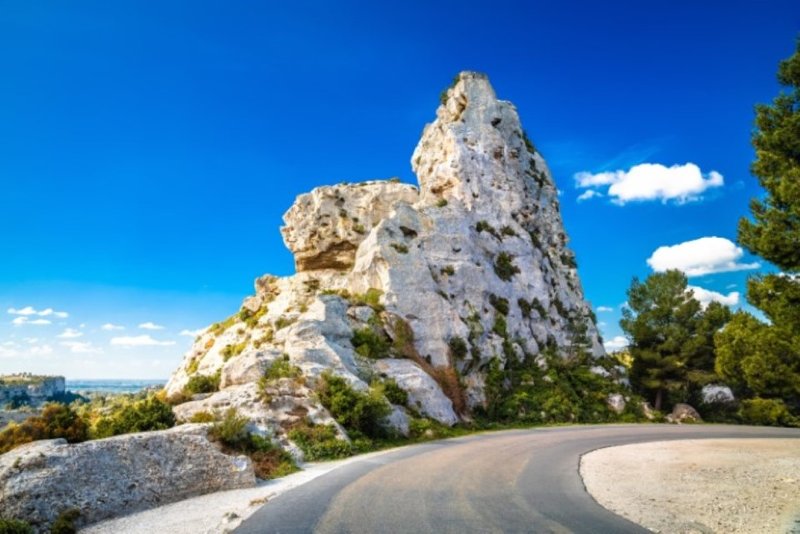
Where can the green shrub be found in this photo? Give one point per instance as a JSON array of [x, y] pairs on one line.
[[504, 266], [568, 259], [499, 303], [283, 322], [55, 421], [319, 442], [356, 411], [202, 417], [202, 384], [392, 391], [525, 307], [251, 318], [371, 298], [507, 230], [500, 326], [458, 348], [399, 247], [359, 229], [15, 526], [448, 270], [528, 143], [370, 344], [231, 351], [218, 328], [483, 226], [282, 368], [231, 430], [767, 412], [442, 202], [141, 416], [65, 522]]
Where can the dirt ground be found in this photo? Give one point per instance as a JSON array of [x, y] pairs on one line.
[[714, 485]]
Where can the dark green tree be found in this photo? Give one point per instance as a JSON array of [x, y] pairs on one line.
[[762, 360], [671, 336]]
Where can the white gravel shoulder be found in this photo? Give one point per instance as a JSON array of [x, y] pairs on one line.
[[215, 513], [711, 485]]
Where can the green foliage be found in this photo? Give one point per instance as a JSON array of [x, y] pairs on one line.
[[202, 417], [499, 303], [371, 298], [392, 391], [500, 327], [359, 228], [507, 230], [458, 348], [282, 368], [65, 522], [140, 416], [768, 412], [774, 232], [55, 421], [447, 270], [370, 343], [504, 266], [483, 226], [283, 322], [399, 247], [251, 318], [231, 351], [528, 143], [202, 384], [319, 442], [15, 526], [671, 336], [568, 259], [269, 460], [218, 328], [354, 410]]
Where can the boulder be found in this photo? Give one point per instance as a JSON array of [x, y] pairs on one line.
[[114, 476], [616, 402], [424, 394], [683, 413], [717, 394]]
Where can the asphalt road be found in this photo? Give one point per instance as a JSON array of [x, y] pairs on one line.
[[512, 481]]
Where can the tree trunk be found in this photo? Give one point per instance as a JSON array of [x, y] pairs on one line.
[[659, 398]]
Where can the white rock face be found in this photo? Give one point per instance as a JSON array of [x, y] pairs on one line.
[[616, 401], [109, 477], [471, 266], [717, 394]]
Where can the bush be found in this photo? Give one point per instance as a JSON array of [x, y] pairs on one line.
[[370, 344], [458, 348], [202, 384], [499, 303], [65, 522], [399, 247], [269, 460], [15, 526], [504, 267], [141, 416], [766, 412], [55, 421], [282, 368], [202, 417], [356, 411], [371, 298], [319, 442], [231, 351], [392, 391]]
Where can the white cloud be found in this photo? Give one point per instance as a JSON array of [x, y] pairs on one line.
[[30, 310], [27, 310], [112, 326], [602, 309], [79, 347], [589, 194], [24, 320], [617, 343], [31, 340], [706, 296], [139, 341], [192, 333], [701, 256], [70, 333], [151, 326], [650, 181]]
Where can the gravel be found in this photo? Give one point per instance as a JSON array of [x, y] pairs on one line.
[[714, 485]]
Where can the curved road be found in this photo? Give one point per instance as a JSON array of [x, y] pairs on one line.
[[511, 481]]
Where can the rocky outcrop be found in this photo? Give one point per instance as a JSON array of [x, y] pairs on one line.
[[30, 389], [717, 394], [683, 413], [123, 474], [429, 287]]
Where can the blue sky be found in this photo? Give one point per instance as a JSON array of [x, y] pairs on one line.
[[149, 149]]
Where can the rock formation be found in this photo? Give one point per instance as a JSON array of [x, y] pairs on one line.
[[103, 478], [30, 389], [468, 269]]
